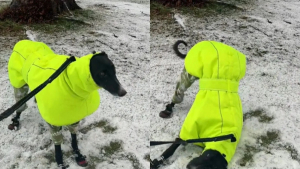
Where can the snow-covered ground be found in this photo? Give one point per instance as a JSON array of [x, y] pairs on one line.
[[268, 32], [121, 139]]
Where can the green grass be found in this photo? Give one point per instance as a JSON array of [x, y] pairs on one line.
[[147, 157], [94, 161], [133, 160], [271, 137], [60, 24], [210, 9], [112, 148], [248, 155], [159, 11], [264, 142]]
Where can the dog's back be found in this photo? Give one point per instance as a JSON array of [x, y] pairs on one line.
[[70, 97]]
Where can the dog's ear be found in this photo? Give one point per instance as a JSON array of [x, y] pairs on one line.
[[100, 54], [104, 54]]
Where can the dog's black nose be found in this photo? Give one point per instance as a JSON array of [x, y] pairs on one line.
[[122, 92]]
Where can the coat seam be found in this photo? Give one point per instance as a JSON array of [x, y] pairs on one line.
[[218, 58], [220, 112], [239, 65], [20, 54]]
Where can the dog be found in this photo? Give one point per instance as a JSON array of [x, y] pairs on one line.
[[70, 97], [217, 109]]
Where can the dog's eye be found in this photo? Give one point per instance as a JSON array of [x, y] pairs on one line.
[[102, 74]]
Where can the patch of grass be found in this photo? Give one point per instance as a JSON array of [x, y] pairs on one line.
[[85, 14], [109, 129], [269, 138], [80, 21], [14, 166], [93, 161], [112, 148], [104, 124], [134, 161], [10, 28], [293, 152], [248, 155], [58, 25], [260, 114], [159, 11], [209, 8], [147, 157], [50, 157]]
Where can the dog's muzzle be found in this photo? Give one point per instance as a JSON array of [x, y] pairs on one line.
[[122, 92]]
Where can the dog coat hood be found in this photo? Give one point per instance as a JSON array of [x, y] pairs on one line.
[[70, 97], [217, 109]]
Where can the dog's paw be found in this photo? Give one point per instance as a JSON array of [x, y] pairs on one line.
[[14, 126], [165, 114]]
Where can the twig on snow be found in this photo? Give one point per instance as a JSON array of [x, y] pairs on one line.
[[106, 44], [259, 30], [132, 36], [287, 22]]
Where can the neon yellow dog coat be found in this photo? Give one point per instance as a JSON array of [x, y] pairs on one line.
[[217, 109], [70, 97]]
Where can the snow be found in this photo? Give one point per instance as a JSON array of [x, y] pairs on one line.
[[122, 32], [271, 81]]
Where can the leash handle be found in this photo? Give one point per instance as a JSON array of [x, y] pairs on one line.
[[200, 140], [11, 110]]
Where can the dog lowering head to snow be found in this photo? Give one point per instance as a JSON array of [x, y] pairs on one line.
[[217, 109], [70, 97]]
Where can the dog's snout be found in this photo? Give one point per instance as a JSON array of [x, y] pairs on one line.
[[122, 92]]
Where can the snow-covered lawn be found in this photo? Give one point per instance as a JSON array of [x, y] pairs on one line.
[[268, 33], [117, 134]]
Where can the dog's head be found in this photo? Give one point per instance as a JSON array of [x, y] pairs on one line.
[[104, 74]]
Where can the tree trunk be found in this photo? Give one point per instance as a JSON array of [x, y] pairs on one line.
[[37, 10]]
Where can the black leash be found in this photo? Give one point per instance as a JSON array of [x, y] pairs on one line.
[[200, 140], [156, 163], [11, 110]]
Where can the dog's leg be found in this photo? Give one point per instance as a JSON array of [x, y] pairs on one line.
[[165, 155], [57, 138], [80, 159], [185, 81], [19, 94], [209, 159]]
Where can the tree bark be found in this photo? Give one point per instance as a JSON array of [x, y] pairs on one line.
[[37, 10]]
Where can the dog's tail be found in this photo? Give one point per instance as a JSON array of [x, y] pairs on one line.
[[175, 47]]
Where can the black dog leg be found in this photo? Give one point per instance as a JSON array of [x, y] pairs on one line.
[[59, 157], [168, 111], [209, 159], [15, 125], [80, 159], [156, 163]]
